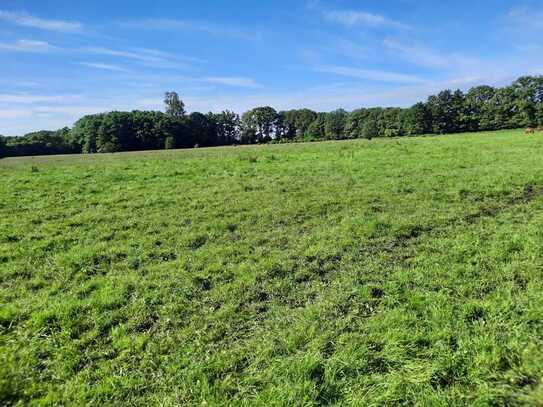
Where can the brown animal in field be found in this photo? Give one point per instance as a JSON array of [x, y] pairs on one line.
[[529, 130]]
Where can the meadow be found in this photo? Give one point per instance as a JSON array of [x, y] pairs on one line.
[[403, 271]]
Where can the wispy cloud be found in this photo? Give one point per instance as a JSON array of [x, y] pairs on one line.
[[13, 114], [21, 83], [119, 53], [352, 18], [71, 109], [420, 55], [26, 46], [166, 55], [371, 75], [150, 57], [106, 67], [28, 98], [28, 20], [458, 69], [232, 81], [351, 49], [527, 18], [214, 29], [142, 55]]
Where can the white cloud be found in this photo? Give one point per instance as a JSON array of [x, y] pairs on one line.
[[118, 53], [106, 67], [352, 18], [166, 55], [149, 57], [26, 46], [371, 75], [26, 98], [25, 84], [146, 55], [318, 98], [193, 83], [526, 18], [25, 120], [423, 56], [71, 110], [460, 70], [232, 81], [28, 20], [351, 49], [217, 30], [13, 114]]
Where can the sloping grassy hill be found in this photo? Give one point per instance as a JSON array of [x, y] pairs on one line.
[[366, 273]]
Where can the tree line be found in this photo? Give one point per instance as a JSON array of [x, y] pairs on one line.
[[480, 108]]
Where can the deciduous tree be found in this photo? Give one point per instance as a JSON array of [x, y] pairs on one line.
[[335, 124], [174, 106], [3, 148]]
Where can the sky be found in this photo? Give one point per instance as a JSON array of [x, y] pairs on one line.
[[60, 59]]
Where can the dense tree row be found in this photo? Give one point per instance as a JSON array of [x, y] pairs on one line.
[[42, 142], [3, 148], [137, 130], [481, 108]]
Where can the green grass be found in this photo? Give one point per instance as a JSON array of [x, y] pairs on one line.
[[384, 272]]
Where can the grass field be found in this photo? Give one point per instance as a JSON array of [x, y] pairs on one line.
[[392, 271]]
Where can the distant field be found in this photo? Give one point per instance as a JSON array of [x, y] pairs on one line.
[[383, 272]]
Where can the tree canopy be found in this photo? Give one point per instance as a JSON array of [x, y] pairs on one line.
[[450, 111], [174, 106], [3, 149]]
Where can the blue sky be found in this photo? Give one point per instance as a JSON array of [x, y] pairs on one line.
[[62, 59]]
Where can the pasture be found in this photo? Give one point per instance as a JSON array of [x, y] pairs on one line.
[[383, 272]]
